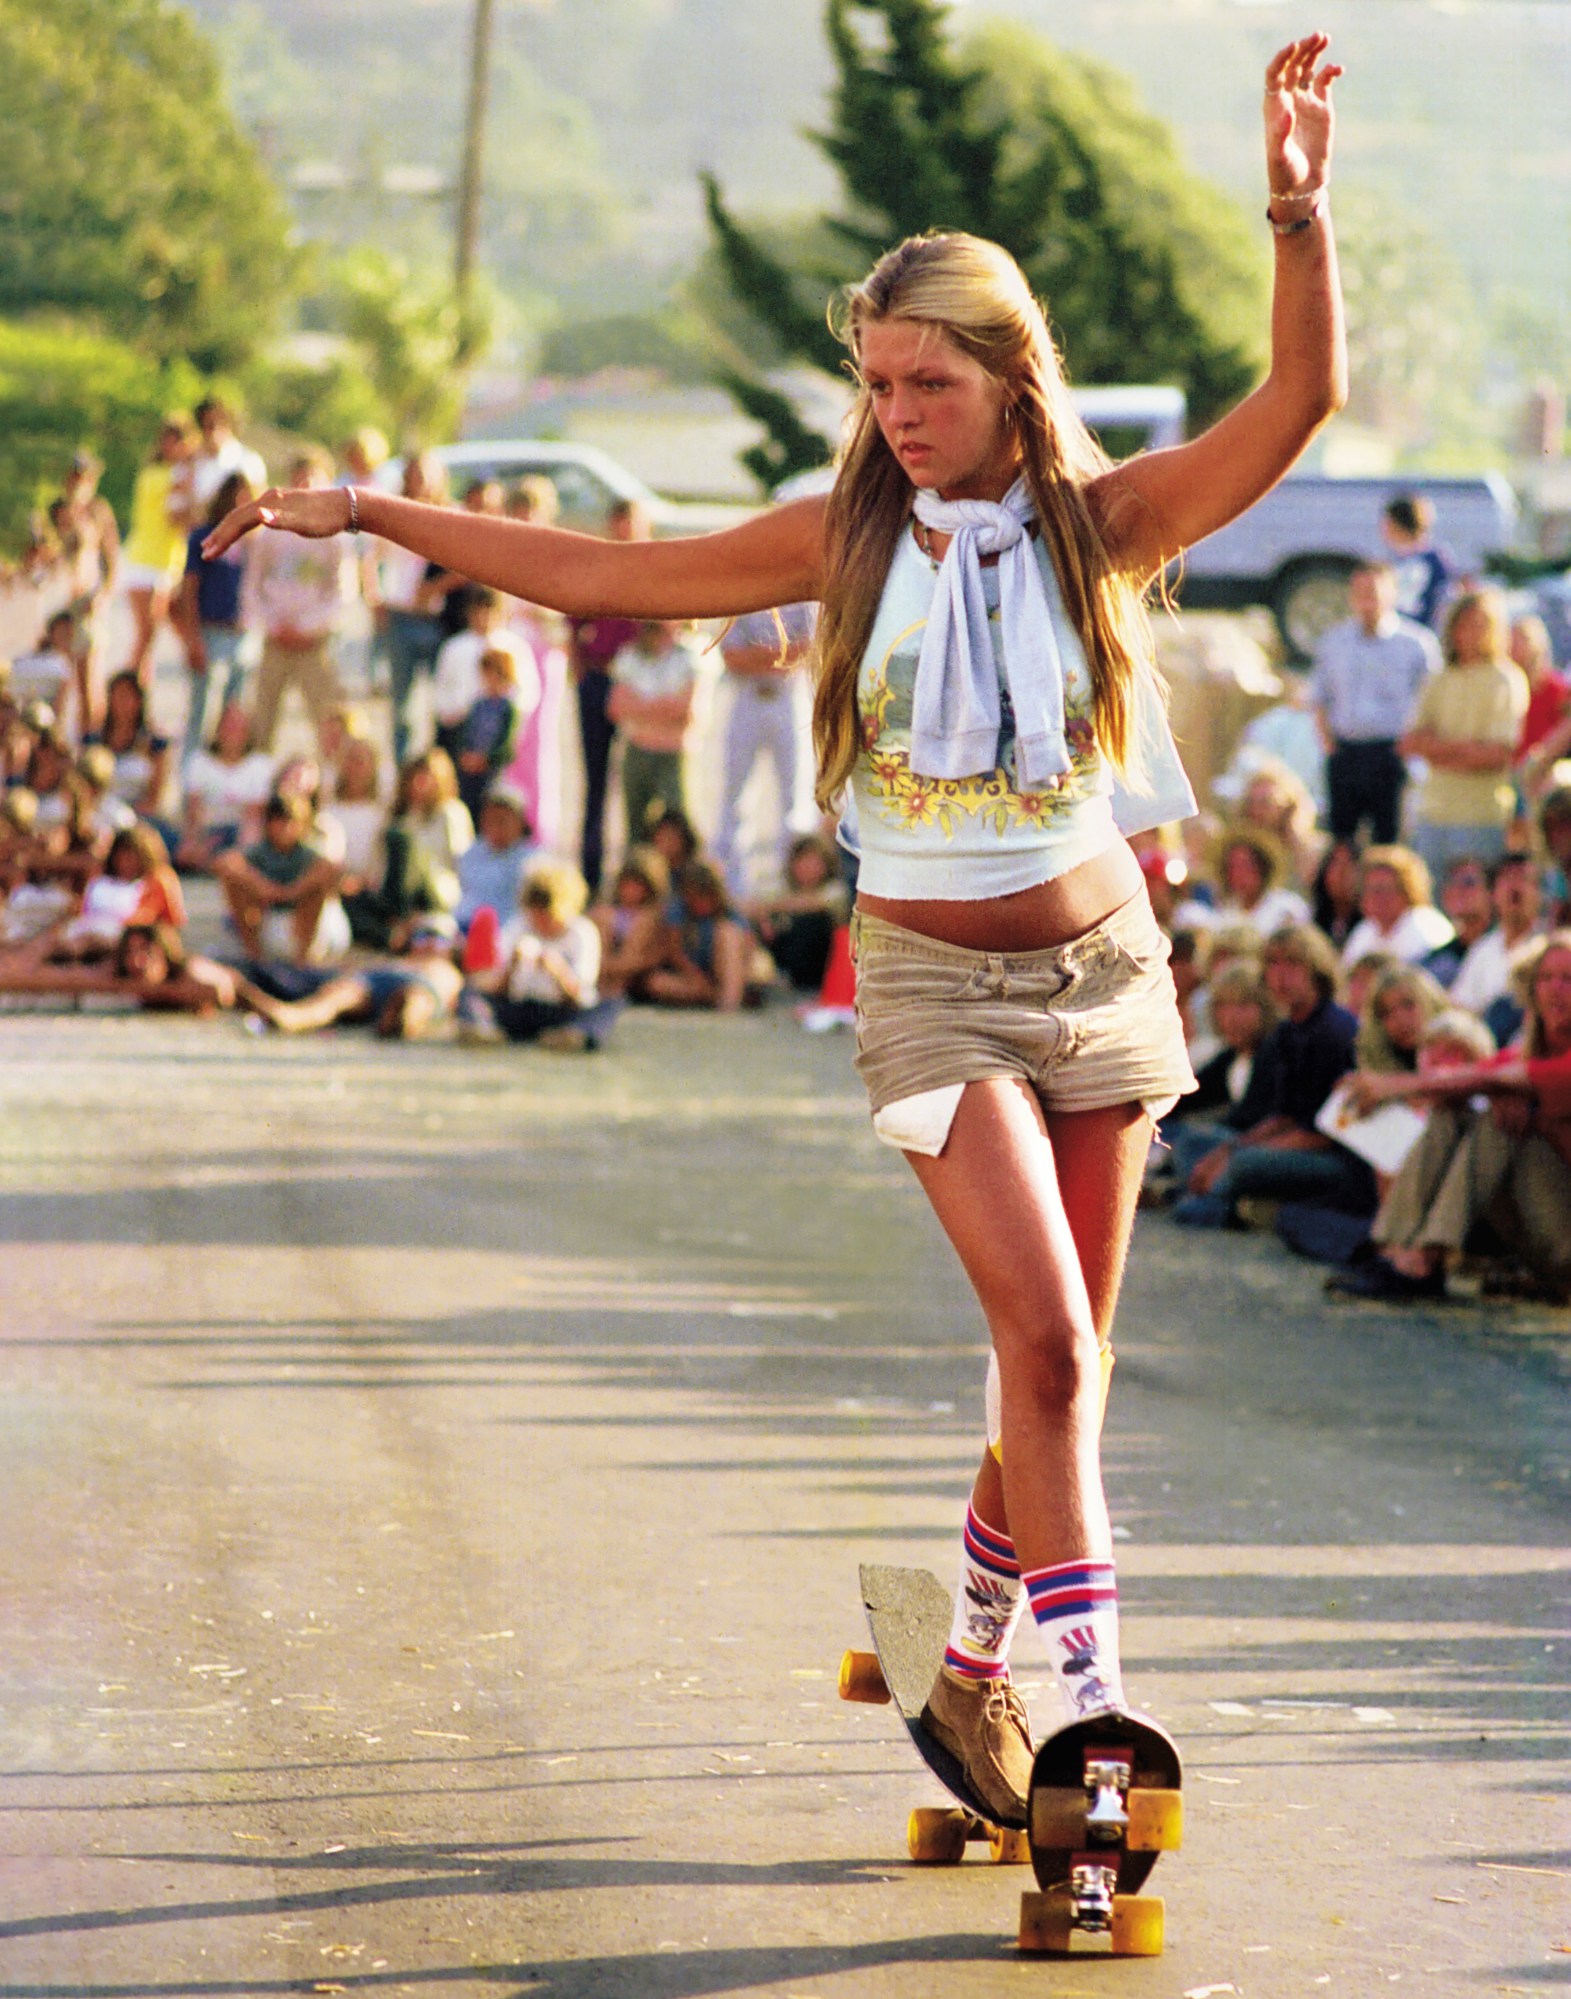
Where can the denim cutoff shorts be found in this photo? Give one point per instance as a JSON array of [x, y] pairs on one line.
[[1087, 1024]]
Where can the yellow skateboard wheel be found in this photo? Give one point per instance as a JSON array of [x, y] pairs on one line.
[[936, 1837], [1139, 1925], [1044, 1921], [1156, 1821], [1007, 1847], [862, 1679]]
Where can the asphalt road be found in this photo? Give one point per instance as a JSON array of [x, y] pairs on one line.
[[434, 1486]]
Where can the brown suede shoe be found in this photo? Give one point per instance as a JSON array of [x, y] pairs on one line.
[[982, 1723]]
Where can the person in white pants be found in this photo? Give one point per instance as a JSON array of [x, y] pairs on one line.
[[768, 717]]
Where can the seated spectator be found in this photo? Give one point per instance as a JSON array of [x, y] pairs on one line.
[[1398, 912], [283, 871], [1200, 956], [1227, 1098], [654, 679], [491, 871], [438, 824], [357, 815], [1484, 975], [708, 957], [226, 788], [1283, 1156], [141, 755], [488, 735], [1465, 904], [674, 837], [1361, 978], [545, 981], [56, 673], [1554, 829], [149, 965], [632, 924], [1506, 1164], [1278, 801], [302, 777], [1250, 867], [401, 998], [1333, 897], [137, 886], [798, 923], [48, 778], [104, 814], [1392, 1024]]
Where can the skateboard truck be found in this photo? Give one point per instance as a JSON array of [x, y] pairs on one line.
[[1092, 1883], [1107, 1787]]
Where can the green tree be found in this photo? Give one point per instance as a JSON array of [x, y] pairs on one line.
[[65, 386], [1148, 273], [131, 198]]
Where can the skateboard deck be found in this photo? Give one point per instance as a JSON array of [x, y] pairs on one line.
[[1105, 1803], [909, 1613]]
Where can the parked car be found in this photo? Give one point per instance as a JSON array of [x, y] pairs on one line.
[[588, 482]]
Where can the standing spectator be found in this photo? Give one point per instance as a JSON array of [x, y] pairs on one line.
[[1368, 675], [653, 681], [208, 615], [1485, 973], [1466, 727], [1398, 911], [767, 721], [296, 591], [456, 685], [408, 596], [219, 455], [488, 736], [90, 544], [1422, 573], [595, 643], [1546, 727], [537, 764], [1283, 1156], [153, 558]]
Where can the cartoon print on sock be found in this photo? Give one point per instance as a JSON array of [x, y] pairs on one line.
[[991, 1609], [1082, 1664]]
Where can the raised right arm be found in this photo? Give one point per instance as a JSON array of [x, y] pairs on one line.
[[775, 558]]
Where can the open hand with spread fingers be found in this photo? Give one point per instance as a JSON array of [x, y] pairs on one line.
[[1300, 122]]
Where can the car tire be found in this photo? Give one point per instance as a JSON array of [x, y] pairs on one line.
[[1308, 598]]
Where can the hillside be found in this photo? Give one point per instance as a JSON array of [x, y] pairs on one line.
[[1454, 108]]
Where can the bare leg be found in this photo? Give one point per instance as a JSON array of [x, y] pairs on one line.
[[996, 1191], [337, 999], [148, 608]]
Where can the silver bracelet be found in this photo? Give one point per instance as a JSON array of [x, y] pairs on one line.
[[354, 510], [1302, 194], [1297, 227]]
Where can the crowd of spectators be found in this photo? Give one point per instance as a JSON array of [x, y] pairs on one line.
[[1371, 944]]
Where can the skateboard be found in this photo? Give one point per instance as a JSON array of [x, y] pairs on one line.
[[909, 1613], [1105, 1803]]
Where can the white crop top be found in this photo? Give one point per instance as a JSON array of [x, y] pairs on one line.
[[968, 839]]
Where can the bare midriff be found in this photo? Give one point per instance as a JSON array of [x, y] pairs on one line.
[[1036, 919]]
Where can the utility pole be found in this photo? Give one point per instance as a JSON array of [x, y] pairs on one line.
[[473, 172]]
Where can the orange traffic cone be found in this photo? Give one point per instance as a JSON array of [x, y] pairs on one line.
[[836, 1002]]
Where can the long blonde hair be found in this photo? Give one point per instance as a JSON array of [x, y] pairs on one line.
[[975, 294]]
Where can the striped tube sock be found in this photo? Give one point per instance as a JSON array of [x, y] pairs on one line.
[[989, 1602], [1075, 1605]]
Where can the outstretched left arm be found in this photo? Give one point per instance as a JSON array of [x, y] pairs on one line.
[[1154, 507]]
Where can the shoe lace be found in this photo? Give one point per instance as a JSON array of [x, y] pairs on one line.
[[1004, 1705]]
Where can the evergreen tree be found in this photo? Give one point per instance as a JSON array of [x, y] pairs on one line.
[[1148, 274]]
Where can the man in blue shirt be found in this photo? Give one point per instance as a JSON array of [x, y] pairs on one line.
[[1367, 677]]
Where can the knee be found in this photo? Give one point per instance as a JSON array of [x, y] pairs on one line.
[[1056, 1370]]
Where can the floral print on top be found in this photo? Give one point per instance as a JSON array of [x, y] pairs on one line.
[[966, 838]]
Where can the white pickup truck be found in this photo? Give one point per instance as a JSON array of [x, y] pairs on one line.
[[1295, 549]]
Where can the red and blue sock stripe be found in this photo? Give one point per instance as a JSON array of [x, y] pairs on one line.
[[989, 1548], [1071, 1589]]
